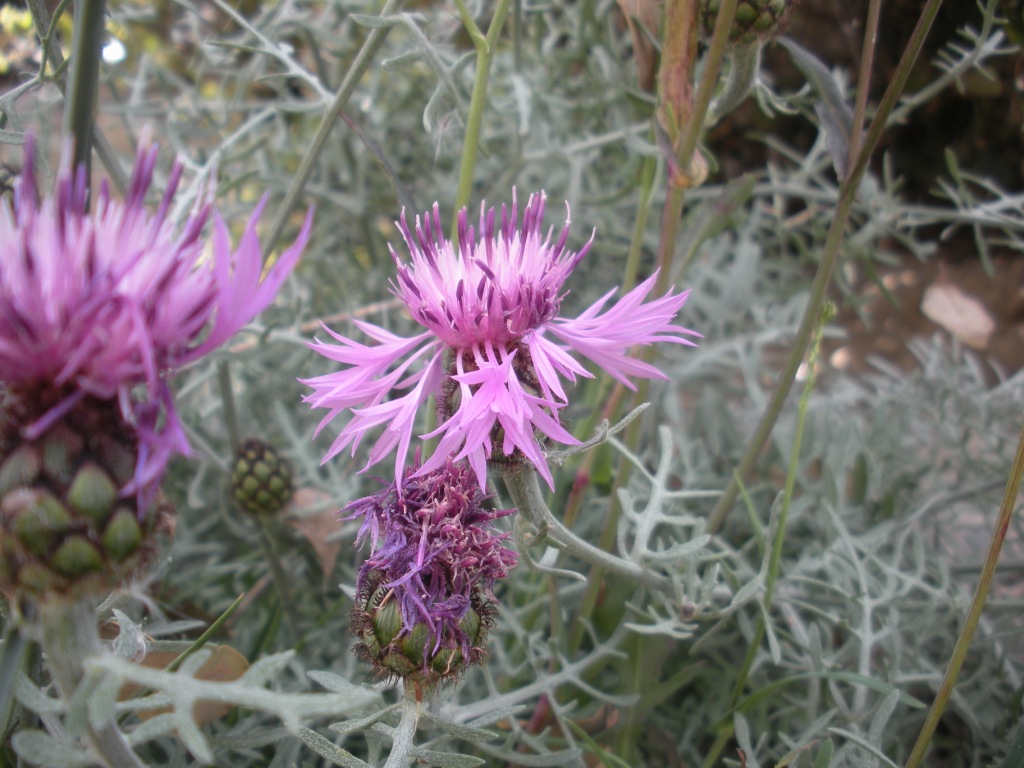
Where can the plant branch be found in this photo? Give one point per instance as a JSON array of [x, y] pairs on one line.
[[524, 489], [867, 58], [83, 82], [485, 46], [51, 51], [69, 637], [829, 258], [227, 397], [361, 63], [963, 643], [404, 735], [280, 577]]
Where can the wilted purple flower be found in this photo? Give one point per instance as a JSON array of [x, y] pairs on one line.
[[495, 350], [108, 302], [436, 556]]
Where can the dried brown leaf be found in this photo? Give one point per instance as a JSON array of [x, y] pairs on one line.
[[225, 664], [318, 526]]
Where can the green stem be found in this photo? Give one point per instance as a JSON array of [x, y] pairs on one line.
[[827, 313], [775, 554], [694, 126], [823, 277], [69, 635], [609, 530], [721, 741], [277, 572], [197, 645], [403, 737], [227, 398], [524, 489], [51, 51], [208, 635], [687, 114], [646, 656], [281, 580], [648, 173], [374, 40], [83, 81], [963, 643], [485, 46], [43, 21]]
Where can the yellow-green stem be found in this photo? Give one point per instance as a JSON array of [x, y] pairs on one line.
[[775, 554], [196, 646], [227, 397], [963, 643], [485, 45], [648, 173]]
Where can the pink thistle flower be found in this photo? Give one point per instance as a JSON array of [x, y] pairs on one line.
[[495, 350], [109, 302]]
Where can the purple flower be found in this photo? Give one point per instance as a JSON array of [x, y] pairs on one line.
[[495, 352], [108, 302], [434, 552]]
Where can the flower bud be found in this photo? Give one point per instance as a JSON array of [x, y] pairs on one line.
[[417, 654], [64, 526], [261, 481], [754, 19]]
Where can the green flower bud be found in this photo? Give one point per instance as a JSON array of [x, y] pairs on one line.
[[414, 654], [754, 19], [261, 481]]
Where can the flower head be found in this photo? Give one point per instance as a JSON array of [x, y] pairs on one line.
[[495, 351], [425, 591], [103, 299]]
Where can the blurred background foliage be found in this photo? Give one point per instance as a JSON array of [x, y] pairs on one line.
[[910, 429]]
